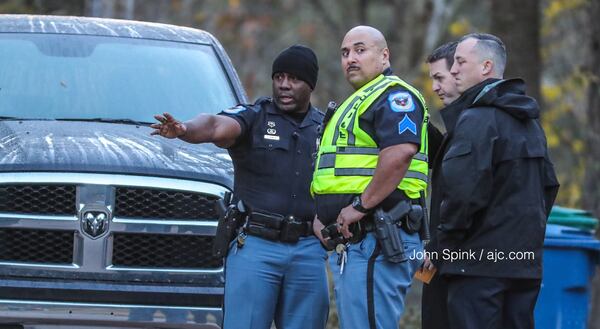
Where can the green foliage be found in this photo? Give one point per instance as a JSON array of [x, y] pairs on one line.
[[564, 91], [556, 8]]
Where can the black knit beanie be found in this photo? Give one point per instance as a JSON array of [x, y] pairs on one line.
[[300, 61]]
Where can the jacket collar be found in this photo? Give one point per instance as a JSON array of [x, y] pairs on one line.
[[451, 113], [313, 117]]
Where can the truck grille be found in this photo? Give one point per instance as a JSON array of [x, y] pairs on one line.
[[168, 251], [164, 204], [36, 246], [163, 227], [38, 199]]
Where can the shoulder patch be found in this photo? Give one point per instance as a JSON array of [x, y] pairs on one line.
[[401, 101], [235, 109]]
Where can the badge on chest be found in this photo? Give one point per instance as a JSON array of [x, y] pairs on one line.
[[271, 133]]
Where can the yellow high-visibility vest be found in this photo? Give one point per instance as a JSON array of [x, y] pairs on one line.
[[347, 155]]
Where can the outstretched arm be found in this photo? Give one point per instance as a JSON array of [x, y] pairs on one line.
[[205, 128]]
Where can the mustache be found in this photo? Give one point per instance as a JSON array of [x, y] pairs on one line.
[[278, 96], [352, 67]]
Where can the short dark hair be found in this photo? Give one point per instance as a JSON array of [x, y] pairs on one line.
[[445, 51], [491, 45]]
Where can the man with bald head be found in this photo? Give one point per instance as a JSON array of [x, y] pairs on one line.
[[493, 188], [372, 156]]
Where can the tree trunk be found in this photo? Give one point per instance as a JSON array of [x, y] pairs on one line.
[[98, 8], [128, 9], [591, 191], [363, 15], [186, 13], [520, 30]]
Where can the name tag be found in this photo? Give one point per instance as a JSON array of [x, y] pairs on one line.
[[272, 137]]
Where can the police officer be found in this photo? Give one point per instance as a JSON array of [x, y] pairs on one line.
[[372, 154], [271, 143]]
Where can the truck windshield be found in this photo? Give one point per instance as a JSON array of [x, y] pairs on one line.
[[58, 76]]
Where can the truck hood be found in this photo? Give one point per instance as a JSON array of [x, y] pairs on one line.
[[74, 146]]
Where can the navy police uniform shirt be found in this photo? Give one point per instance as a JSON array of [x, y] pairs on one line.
[[273, 158], [396, 117]]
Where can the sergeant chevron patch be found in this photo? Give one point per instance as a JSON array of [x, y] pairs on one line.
[[407, 124]]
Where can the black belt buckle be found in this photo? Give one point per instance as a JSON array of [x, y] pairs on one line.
[[291, 229]]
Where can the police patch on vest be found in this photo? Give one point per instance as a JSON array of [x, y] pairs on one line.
[[407, 124], [401, 101], [235, 110]]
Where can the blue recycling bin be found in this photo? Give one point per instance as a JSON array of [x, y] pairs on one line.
[[571, 254]]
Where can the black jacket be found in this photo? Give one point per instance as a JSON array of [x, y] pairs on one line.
[[493, 184]]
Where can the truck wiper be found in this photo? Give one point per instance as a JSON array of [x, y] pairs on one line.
[[109, 120], [2, 117]]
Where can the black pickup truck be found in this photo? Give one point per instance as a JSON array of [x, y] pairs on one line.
[[101, 224]]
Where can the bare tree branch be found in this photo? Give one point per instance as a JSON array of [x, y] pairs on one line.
[[423, 15], [436, 23], [327, 17]]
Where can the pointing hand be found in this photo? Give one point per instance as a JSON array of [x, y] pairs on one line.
[[168, 126]]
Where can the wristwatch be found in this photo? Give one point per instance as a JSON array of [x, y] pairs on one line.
[[357, 204]]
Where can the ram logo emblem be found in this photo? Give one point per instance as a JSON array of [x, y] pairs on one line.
[[94, 223]]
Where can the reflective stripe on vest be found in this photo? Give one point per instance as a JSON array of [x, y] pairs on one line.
[[347, 156], [328, 159]]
